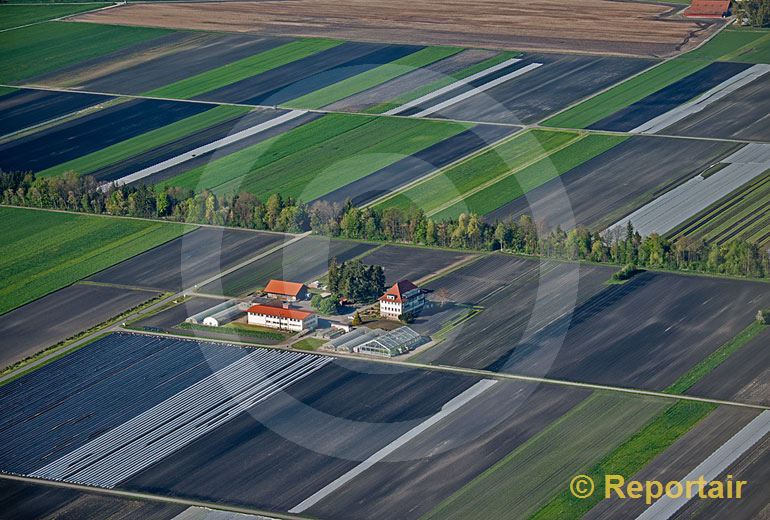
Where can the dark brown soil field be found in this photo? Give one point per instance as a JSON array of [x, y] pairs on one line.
[[624, 27], [60, 315], [21, 500]]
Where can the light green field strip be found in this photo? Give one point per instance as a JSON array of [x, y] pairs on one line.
[[242, 69], [372, 78], [651, 81], [318, 157], [627, 459], [756, 50], [513, 186], [38, 49], [41, 252], [521, 483], [745, 213], [17, 15], [141, 143], [441, 188], [451, 78]]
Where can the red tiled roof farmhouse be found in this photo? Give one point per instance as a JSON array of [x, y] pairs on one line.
[[279, 312], [398, 290], [285, 288], [708, 8]]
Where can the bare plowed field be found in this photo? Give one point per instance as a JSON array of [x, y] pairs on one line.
[[625, 27]]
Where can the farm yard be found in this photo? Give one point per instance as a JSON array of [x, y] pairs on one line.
[[160, 159]]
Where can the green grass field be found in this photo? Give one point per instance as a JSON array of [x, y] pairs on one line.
[[721, 47], [38, 49], [526, 479], [309, 344], [513, 186], [318, 157], [742, 214], [17, 15], [41, 251], [141, 143], [466, 175], [372, 78], [443, 82], [242, 69]]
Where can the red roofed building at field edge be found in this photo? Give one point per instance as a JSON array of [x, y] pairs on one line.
[[708, 9], [289, 291], [400, 299], [281, 318]]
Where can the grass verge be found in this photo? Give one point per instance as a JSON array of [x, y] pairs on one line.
[[309, 344], [234, 329], [716, 358]]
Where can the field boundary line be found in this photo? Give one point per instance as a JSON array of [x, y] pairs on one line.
[[64, 17], [141, 495], [120, 286], [578, 137], [482, 373], [457, 162]]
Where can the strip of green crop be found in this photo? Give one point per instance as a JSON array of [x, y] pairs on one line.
[[716, 358], [141, 143], [628, 458], [242, 69], [6, 90], [41, 252], [18, 15], [736, 44], [523, 481], [654, 79], [38, 49], [443, 82], [317, 158], [513, 186], [372, 78], [635, 89], [234, 167], [484, 167]]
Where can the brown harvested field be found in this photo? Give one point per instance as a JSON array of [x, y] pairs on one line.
[[598, 26]]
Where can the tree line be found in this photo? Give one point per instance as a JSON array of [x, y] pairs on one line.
[[469, 231]]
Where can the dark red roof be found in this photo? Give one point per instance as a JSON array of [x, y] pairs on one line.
[[708, 8], [397, 291], [280, 312]]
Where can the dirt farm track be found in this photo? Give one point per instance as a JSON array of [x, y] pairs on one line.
[[627, 28]]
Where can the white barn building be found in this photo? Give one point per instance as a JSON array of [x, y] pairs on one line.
[[403, 297], [281, 318]]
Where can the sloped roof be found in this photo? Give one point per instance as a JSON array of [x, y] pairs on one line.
[[398, 290], [707, 8], [280, 312], [282, 287]]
